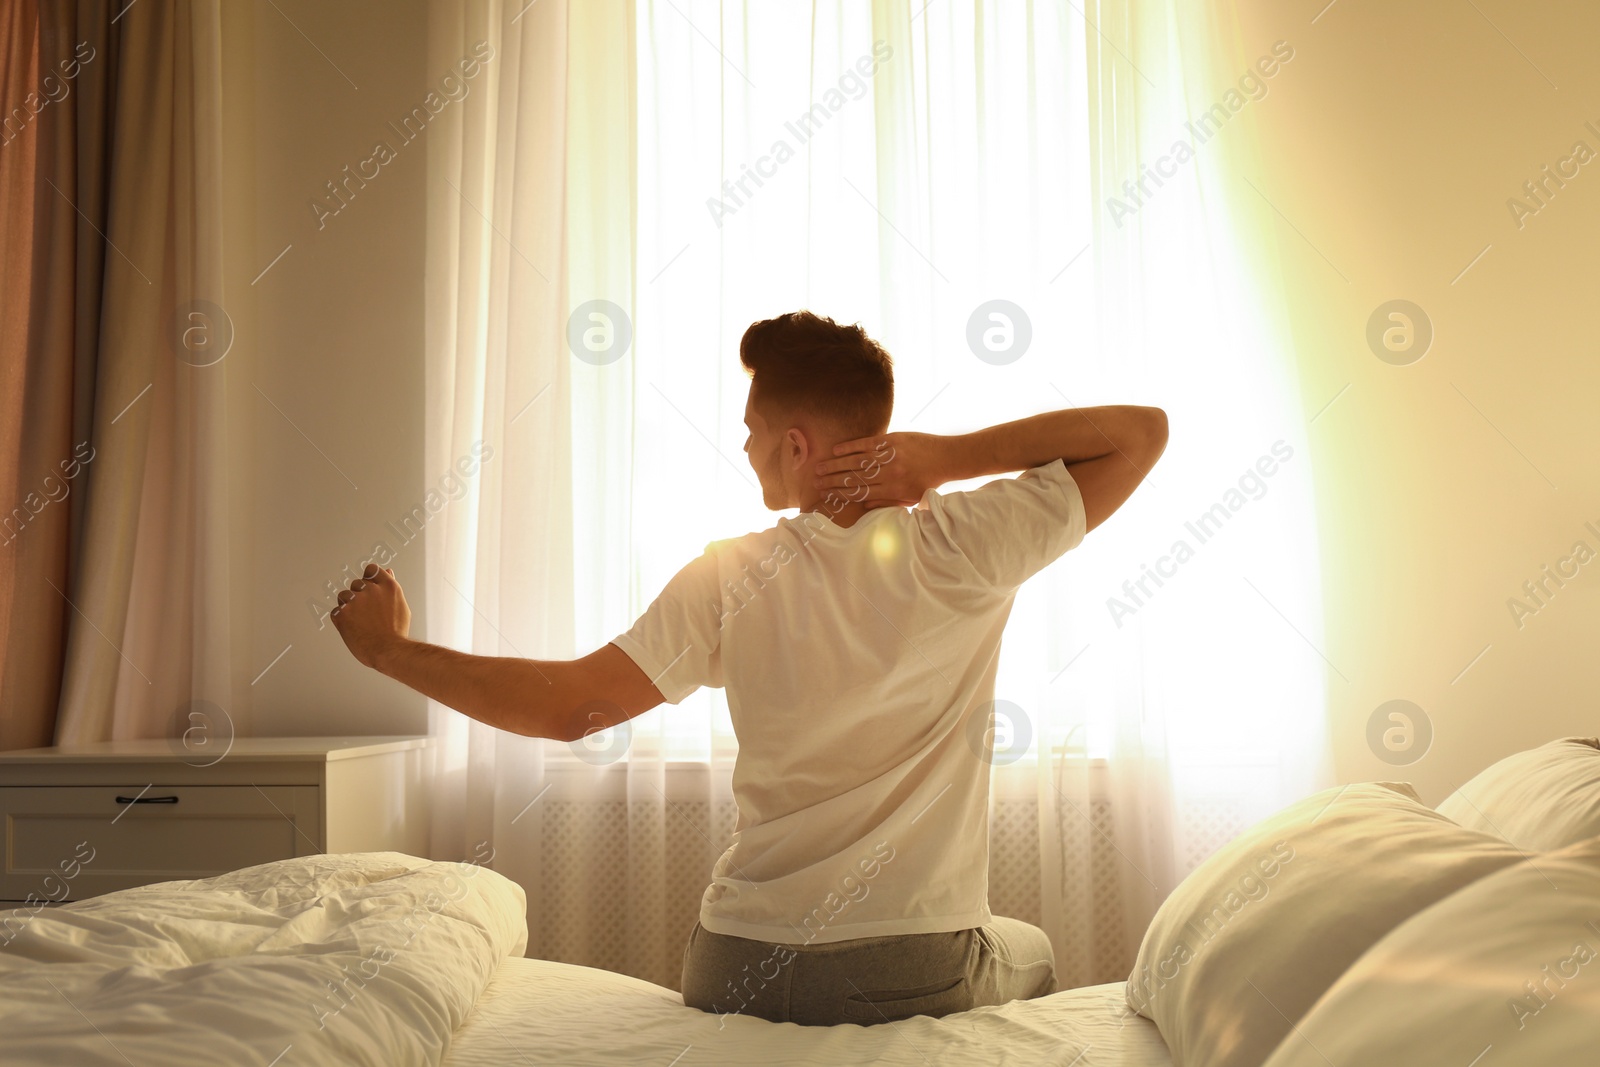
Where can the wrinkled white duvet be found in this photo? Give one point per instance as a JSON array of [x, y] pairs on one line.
[[371, 958]]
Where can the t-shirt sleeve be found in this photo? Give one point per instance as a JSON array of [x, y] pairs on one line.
[[677, 642], [1012, 528]]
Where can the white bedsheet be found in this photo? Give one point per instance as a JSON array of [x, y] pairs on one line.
[[362, 959], [537, 1012]]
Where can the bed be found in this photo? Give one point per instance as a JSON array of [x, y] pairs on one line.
[[579, 1015], [387, 959], [1356, 926]]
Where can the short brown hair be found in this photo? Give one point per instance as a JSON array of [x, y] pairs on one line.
[[806, 362]]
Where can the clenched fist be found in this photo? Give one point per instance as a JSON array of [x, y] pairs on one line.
[[372, 614]]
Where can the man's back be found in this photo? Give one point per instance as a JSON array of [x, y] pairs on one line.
[[855, 660]]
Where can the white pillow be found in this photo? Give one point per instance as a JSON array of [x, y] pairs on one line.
[[1247, 943], [1506, 971], [1545, 798]]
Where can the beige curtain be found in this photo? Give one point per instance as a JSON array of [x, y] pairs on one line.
[[41, 478], [120, 386], [27, 679]]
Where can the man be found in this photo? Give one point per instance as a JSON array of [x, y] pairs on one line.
[[858, 644]]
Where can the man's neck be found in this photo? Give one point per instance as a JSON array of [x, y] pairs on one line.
[[838, 511]]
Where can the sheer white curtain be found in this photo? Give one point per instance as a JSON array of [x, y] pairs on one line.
[[701, 165], [531, 184], [1198, 608]]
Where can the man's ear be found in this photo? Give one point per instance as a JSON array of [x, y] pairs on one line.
[[797, 450]]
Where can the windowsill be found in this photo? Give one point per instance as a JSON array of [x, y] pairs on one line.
[[567, 761]]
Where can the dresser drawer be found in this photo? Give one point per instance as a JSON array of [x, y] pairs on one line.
[[72, 842]]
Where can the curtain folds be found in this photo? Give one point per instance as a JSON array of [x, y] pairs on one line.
[[1219, 690], [35, 406], [117, 617], [531, 201], [630, 184]]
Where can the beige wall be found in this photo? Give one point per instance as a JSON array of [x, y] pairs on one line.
[[1392, 143], [332, 334]]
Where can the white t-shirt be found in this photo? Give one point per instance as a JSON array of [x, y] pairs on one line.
[[859, 664]]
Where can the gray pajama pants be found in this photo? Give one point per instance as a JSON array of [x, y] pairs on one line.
[[868, 980]]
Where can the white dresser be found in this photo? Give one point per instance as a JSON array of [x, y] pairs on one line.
[[94, 818]]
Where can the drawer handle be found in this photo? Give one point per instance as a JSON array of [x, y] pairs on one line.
[[147, 800]]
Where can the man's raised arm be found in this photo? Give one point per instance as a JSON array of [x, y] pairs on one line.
[[559, 699], [1108, 450]]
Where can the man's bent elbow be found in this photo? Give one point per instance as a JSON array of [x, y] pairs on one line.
[[1153, 435], [566, 728], [534, 720], [1157, 419]]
